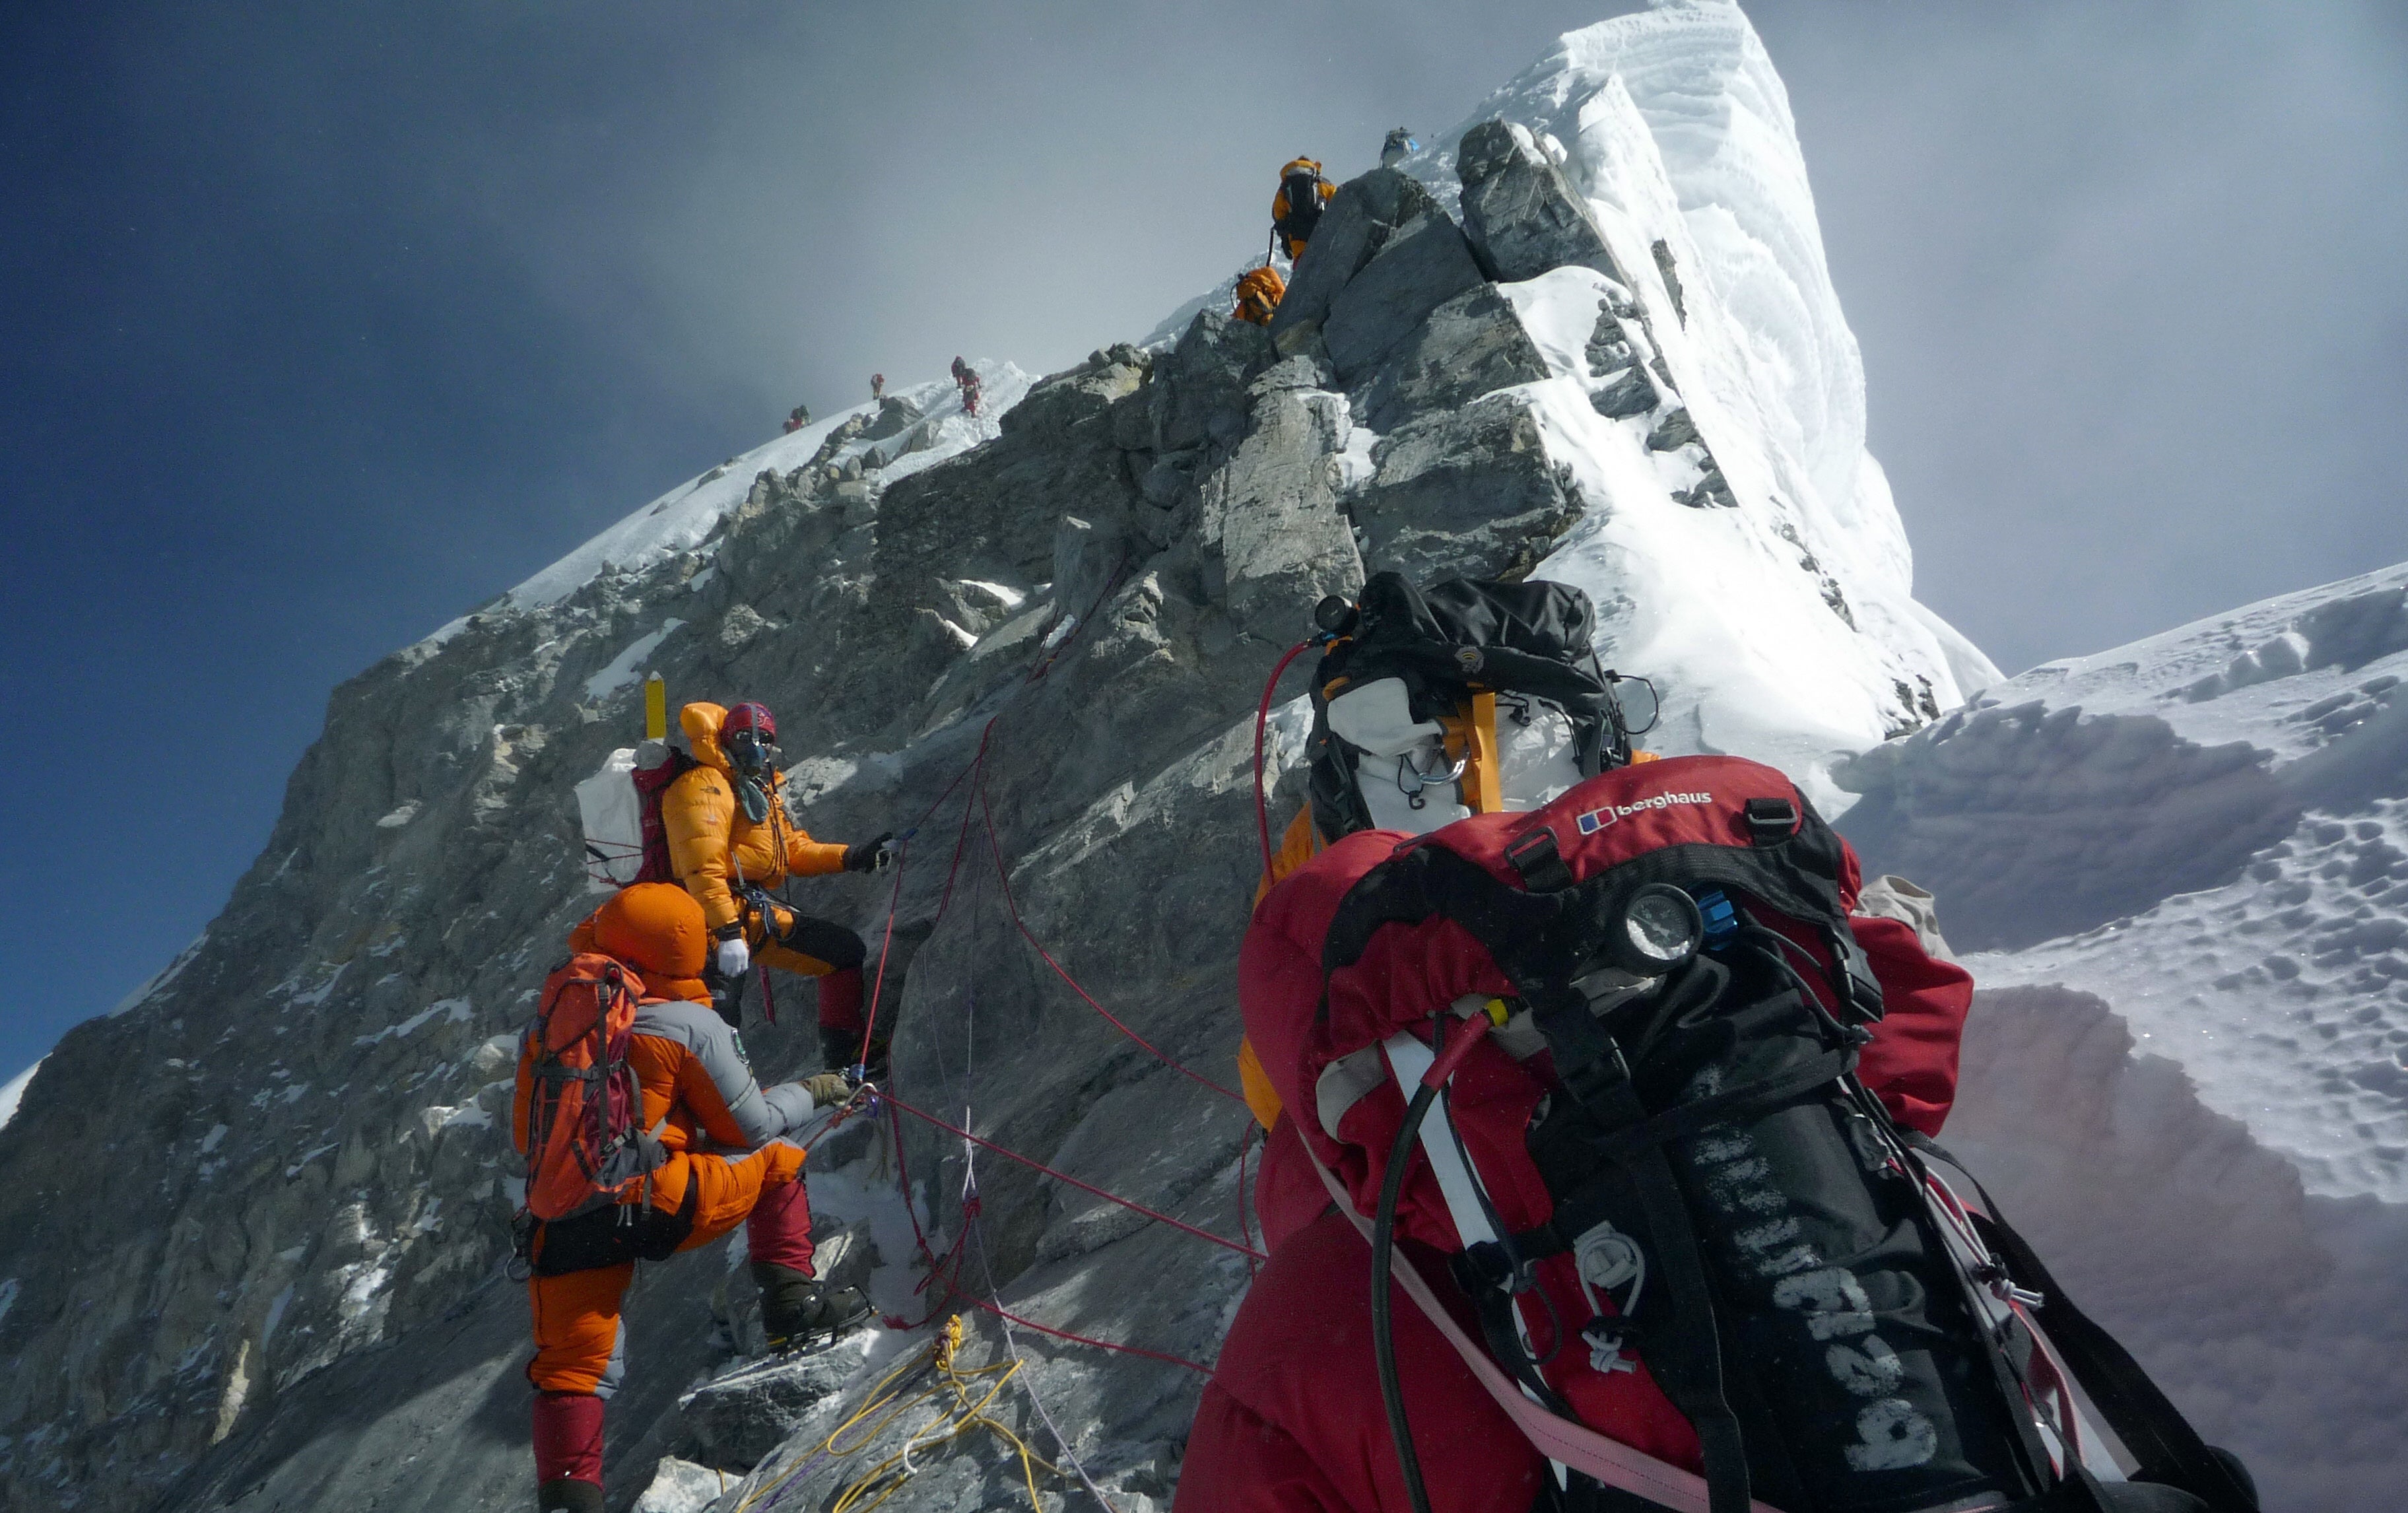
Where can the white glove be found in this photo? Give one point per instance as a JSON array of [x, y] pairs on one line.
[[735, 957]]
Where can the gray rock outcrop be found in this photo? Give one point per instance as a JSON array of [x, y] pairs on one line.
[[1360, 218], [1522, 215]]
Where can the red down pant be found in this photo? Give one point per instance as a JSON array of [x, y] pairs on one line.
[[813, 947], [579, 1346]]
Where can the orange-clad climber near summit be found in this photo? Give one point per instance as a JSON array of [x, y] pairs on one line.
[[1296, 207], [724, 1160], [731, 837]]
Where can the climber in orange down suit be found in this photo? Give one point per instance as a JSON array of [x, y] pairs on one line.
[[727, 1162], [731, 837]]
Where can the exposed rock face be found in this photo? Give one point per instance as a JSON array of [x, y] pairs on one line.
[[1466, 347], [1360, 218], [318, 1165], [1522, 212]]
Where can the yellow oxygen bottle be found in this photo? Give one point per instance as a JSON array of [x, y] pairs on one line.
[[656, 709]]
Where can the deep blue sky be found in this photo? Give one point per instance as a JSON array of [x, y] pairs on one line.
[[319, 324]]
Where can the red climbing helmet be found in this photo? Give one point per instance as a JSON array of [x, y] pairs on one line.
[[747, 734], [753, 717]]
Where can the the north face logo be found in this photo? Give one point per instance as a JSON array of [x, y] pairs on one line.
[[1597, 820]]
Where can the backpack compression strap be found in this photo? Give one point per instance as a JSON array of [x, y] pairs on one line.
[[1574, 1446], [2140, 1413]]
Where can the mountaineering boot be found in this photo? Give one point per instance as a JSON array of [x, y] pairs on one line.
[[797, 1309], [568, 1495]]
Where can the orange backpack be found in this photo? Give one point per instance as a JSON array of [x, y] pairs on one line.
[[1259, 294], [586, 1140]]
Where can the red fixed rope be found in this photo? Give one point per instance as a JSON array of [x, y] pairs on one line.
[[1133, 1206], [1262, 722], [903, 1173], [869, 1024]]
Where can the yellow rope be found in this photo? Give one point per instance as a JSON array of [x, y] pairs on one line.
[[888, 1401]]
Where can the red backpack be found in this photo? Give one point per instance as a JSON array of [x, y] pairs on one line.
[[650, 783], [586, 1140], [1604, 1053]]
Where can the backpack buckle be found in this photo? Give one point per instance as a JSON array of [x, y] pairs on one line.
[[1590, 1079], [1770, 821], [1541, 868], [1488, 1265]]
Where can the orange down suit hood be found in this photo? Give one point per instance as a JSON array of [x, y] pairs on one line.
[[714, 846]]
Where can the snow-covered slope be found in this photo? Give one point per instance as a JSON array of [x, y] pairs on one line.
[[1781, 626], [1060, 619], [12, 1093], [686, 515], [2187, 1071]]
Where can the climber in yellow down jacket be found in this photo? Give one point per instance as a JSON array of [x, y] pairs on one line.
[[731, 837]]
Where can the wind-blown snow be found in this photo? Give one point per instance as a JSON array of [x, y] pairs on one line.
[[2212, 824], [2283, 994]]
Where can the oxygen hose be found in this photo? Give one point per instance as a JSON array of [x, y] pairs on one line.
[[1383, 1342]]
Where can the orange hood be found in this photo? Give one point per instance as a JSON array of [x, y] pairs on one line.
[[658, 929], [700, 723]]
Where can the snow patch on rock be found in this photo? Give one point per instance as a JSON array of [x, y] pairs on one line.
[[623, 669], [686, 516], [12, 1093]]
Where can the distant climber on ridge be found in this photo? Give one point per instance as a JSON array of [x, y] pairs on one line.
[[638, 963], [878, 385], [731, 839], [1296, 207], [797, 418], [1398, 147], [1259, 294], [966, 376]]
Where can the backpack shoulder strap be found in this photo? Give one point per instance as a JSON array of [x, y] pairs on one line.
[[2143, 1417], [1573, 1446]]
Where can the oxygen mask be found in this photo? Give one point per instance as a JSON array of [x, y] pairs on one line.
[[749, 753]]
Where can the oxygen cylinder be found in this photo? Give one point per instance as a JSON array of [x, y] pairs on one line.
[[656, 709]]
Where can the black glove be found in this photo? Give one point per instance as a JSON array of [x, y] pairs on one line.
[[869, 855]]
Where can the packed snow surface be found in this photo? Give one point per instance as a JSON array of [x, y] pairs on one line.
[[12, 1093], [2208, 829], [2284, 995]]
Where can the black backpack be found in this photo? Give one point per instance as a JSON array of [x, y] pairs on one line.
[[1529, 643], [1303, 190]]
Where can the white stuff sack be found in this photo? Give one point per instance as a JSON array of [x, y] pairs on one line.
[[614, 819]]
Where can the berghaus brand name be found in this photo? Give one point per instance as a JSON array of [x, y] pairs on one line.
[[1597, 820]]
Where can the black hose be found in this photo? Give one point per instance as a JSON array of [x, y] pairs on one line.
[[1383, 1344]]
